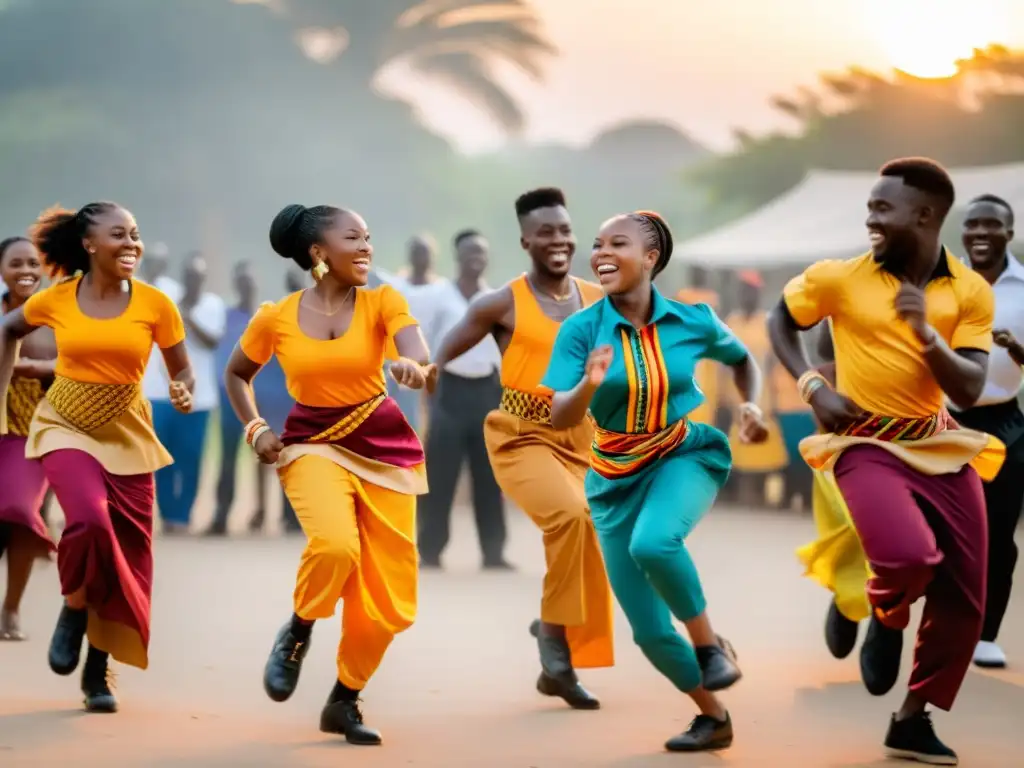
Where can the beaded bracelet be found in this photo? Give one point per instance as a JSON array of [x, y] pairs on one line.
[[260, 431], [252, 427], [810, 383]]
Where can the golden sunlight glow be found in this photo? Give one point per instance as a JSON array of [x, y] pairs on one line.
[[925, 38]]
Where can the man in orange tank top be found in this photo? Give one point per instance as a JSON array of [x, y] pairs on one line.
[[539, 468]]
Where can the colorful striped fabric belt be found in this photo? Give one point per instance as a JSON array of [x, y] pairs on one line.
[[892, 428], [616, 455], [526, 406]]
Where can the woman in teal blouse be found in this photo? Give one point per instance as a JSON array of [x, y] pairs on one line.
[[630, 359]]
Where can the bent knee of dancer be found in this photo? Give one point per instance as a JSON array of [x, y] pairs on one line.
[[569, 518], [335, 551], [653, 551], [673, 657], [90, 527]]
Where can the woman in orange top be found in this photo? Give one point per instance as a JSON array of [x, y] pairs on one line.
[[23, 534], [537, 466], [348, 460], [94, 431]]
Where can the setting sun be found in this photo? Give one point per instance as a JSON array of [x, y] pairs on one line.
[[925, 38]]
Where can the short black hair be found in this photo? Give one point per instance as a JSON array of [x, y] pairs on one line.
[[926, 175], [543, 197], [8, 242], [995, 200], [464, 234], [658, 236], [297, 228]]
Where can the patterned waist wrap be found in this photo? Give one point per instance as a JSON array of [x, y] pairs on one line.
[[620, 454], [22, 398], [374, 429], [87, 407], [348, 422], [891, 429], [526, 406]]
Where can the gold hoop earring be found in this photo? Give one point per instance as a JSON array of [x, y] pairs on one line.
[[319, 270]]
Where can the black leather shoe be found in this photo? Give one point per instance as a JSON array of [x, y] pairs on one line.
[[705, 734], [345, 718], [281, 675], [840, 633], [880, 658], [66, 643], [98, 687], [557, 677], [555, 657], [569, 690], [718, 665]]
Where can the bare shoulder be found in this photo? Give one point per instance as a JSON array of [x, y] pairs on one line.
[[495, 307]]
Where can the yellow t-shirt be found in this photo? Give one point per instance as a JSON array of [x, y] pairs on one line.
[[108, 351], [879, 361], [330, 373]]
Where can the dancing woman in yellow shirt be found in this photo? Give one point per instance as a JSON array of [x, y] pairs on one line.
[[94, 431], [348, 460], [23, 534]]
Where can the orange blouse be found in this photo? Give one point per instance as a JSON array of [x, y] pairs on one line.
[[107, 351], [329, 373], [525, 361]]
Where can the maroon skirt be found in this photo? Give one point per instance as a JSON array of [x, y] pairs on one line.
[[106, 551], [24, 487]]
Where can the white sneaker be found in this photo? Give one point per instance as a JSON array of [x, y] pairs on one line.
[[989, 656]]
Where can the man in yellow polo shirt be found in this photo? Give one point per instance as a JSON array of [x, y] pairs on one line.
[[911, 325]]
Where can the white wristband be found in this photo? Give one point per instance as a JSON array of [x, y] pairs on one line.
[[258, 434]]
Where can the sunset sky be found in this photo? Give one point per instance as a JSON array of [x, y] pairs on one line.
[[710, 66]]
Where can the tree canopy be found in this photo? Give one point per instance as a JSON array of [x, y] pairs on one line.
[[857, 120]]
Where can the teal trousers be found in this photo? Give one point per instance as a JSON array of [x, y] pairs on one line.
[[642, 526]]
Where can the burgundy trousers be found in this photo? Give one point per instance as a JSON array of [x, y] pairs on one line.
[[925, 536]]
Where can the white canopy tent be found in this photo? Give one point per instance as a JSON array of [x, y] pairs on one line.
[[823, 218]]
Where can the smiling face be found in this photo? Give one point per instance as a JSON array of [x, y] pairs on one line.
[[21, 270], [898, 215], [621, 258], [988, 227], [114, 243], [345, 248], [546, 234]]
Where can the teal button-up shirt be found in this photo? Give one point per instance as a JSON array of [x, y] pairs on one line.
[[650, 383]]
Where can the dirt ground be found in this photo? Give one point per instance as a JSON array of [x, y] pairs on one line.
[[457, 689]]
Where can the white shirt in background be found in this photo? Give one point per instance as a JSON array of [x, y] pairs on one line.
[[437, 307], [210, 314], [1004, 378], [482, 360], [154, 382]]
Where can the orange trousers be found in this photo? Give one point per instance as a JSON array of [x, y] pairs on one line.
[[361, 548], [541, 470]]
